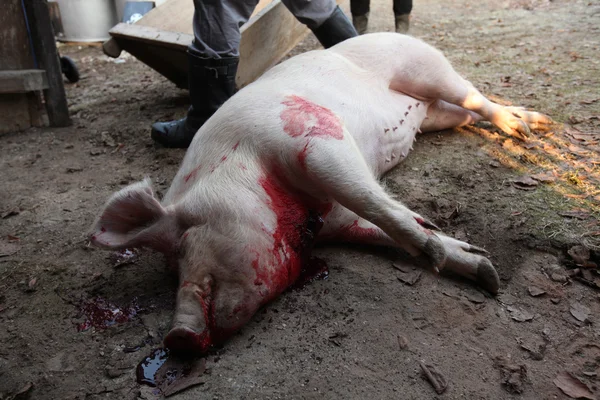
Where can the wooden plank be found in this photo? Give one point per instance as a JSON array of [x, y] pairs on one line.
[[266, 38], [14, 112], [152, 36], [23, 81], [15, 49], [47, 56], [177, 16]]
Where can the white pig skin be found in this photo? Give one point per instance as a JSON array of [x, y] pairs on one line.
[[307, 140]]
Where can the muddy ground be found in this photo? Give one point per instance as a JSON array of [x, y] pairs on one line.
[[362, 332]]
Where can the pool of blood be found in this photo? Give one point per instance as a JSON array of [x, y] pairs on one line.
[[313, 269], [146, 369], [101, 314]]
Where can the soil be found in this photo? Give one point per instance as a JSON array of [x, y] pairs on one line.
[[75, 321]]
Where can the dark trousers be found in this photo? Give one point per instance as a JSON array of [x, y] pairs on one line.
[[217, 23], [361, 7]]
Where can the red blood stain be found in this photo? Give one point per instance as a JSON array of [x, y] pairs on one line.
[[223, 158], [315, 269], [303, 117], [302, 155], [421, 222], [185, 235], [235, 146], [409, 107], [294, 235], [191, 174], [356, 233], [101, 314], [102, 229]]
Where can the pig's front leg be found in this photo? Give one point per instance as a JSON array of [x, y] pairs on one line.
[[342, 225]]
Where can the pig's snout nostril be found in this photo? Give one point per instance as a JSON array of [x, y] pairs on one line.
[[183, 339]]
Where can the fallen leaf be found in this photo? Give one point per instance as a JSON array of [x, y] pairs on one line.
[[514, 376], [572, 386], [581, 256], [11, 213], [402, 342], [409, 278], [579, 311], [8, 248], [525, 183], [519, 315], [544, 177], [173, 377], [587, 102], [437, 380], [535, 291], [577, 213]]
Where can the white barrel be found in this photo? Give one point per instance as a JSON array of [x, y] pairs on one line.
[[87, 20]]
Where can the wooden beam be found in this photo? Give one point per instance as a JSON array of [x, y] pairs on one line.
[[44, 44], [23, 81]]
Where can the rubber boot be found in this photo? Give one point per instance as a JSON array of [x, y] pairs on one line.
[[360, 23], [211, 83], [402, 23], [335, 29]]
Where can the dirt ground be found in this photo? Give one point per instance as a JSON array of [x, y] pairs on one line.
[[362, 332]]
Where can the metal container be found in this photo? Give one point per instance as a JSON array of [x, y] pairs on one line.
[[86, 20]]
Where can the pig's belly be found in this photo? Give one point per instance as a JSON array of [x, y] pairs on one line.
[[384, 125]]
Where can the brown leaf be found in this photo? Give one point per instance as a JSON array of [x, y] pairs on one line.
[[11, 213], [587, 102], [544, 177], [578, 213], [579, 254], [437, 380], [409, 278], [580, 312], [402, 342], [519, 315], [525, 183], [572, 386], [173, 376], [535, 291], [8, 247]]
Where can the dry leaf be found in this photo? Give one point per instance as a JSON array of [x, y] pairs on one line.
[[544, 177], [572, 386], [402, 342], [578, 213], [535, 291], [580, 312], [8, 247], [409, 278], [525, 183], [519, 315], [581, 256]]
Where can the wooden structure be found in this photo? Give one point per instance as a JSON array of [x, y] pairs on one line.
[[29, 66], [160, 39]]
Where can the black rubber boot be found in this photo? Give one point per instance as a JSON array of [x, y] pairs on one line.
[[335, 29], [211, 83]]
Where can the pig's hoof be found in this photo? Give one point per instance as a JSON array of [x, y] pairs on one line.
[[184, 339], [487, 277], [436, 252]]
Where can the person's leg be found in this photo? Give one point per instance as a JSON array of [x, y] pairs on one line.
[[213, 59], [360, 14], [402, 10], [324, 18]]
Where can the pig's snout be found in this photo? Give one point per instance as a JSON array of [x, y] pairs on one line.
[[191, 325]]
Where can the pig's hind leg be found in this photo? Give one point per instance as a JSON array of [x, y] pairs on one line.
[[343, 225], [437, 80]]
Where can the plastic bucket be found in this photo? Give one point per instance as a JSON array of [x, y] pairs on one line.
[[86, 20]]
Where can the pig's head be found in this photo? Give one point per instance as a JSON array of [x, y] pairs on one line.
[[218, 290]]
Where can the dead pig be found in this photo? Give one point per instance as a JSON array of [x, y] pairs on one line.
[[294, 158]]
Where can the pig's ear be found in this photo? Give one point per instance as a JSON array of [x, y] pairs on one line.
[[128, 218]]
